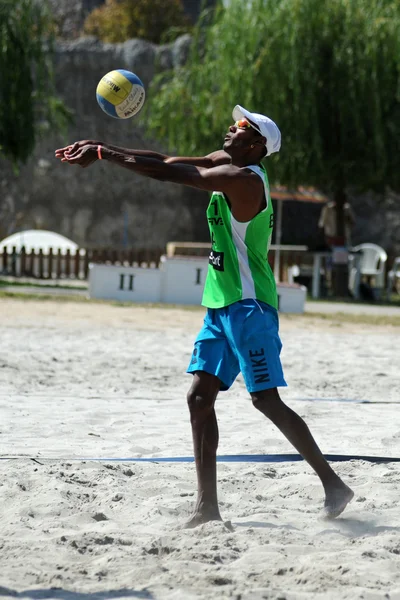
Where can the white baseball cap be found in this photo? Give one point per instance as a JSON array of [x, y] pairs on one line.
[[263, 125]]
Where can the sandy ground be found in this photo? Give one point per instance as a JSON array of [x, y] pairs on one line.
[[82, 381]]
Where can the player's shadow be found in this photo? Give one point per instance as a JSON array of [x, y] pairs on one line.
[[354, 528], [264, 525], [348, 527], [60, 594]]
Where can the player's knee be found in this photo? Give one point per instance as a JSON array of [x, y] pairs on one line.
[[202, 394], [268, 402], [199, 403]]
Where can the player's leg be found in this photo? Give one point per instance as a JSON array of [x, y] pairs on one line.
[[258, 345], [201, 399], [337, 493], [214, 368]]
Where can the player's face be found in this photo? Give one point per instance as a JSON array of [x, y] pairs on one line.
[[240, 135]]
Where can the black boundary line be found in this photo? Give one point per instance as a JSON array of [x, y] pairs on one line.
[[346, 401], [229, 458]]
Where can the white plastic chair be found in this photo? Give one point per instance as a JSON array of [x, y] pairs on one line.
[[393, 276], [371, 264]]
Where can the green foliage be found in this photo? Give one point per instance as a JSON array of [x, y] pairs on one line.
[[27, 100], [152, 20], [327, 71]]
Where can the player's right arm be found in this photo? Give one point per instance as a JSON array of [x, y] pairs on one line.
[[214, 159], [127, 151]]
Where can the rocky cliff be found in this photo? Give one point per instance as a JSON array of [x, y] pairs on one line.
[[71, 14], [103, 205]]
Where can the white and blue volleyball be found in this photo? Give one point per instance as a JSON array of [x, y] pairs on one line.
[[120, 94]]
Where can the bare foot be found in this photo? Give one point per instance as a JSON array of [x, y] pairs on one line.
[[202, 515], [337, 497]]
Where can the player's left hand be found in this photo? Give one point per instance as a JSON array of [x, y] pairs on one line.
[[60, 152], [84, 156]]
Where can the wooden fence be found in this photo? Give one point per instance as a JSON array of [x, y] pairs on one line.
[[73, 265]]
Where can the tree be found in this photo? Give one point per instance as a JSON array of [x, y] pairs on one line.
[[28, 103], [152, 20], [327, 71], [194, 8]]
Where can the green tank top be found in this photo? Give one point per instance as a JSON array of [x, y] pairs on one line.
[[238, 262]]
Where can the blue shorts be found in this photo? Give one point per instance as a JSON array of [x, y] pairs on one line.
[[242, 337]]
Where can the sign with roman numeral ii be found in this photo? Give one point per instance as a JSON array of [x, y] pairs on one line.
[[128, 284]]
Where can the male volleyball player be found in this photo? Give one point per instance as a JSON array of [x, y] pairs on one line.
[[240, 331]]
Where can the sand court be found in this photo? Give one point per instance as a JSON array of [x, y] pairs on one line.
[[84, 381]]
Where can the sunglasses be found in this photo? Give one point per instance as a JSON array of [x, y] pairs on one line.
[[243, 124]]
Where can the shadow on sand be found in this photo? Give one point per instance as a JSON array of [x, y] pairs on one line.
[[358, 528], [345, 526], [264, 525], [60, 594]]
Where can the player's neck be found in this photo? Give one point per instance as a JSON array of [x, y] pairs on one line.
[[243, 162]]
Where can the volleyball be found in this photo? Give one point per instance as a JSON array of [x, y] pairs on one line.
[[120, 94]]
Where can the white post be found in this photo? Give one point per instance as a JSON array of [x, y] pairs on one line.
[[278, 237], [316, 275]]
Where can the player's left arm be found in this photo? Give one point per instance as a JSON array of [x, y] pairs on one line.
[[220, 178]]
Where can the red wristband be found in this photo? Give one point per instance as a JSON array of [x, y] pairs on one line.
[[99, 152]]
